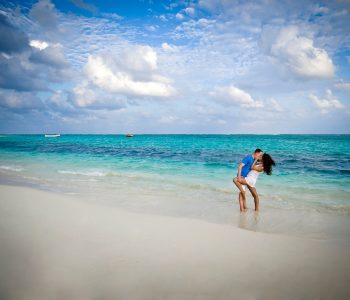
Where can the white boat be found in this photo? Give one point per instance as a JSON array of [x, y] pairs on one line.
[[52, 135], [129, 135]]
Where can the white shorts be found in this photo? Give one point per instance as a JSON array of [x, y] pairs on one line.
[[250, 181]]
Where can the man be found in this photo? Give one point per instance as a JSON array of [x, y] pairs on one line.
[[243, 170]]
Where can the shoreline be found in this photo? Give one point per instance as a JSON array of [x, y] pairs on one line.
[[55, 246], [304, 223]]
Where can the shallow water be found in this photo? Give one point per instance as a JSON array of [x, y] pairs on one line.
[[191, 175]]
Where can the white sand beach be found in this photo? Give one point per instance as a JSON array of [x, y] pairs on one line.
[[57, 247]]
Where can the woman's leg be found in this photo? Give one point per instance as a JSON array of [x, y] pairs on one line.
[[239, 184], [255, 196], [242, 195]]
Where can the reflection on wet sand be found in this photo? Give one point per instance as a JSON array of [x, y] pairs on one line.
[[249, 220]]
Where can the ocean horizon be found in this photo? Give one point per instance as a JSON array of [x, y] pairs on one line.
[[136, 133]]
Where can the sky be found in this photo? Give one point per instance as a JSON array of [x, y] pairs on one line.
[[147, 66]]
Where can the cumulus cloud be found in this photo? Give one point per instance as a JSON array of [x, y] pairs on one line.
[[59, 101], [190, 11], [297, 52], [131, 73], [34, 69], [28, 65], [41, 45], [179, 16], [235, 96], [45, 14], [16, 101], [86, 96], [49, 55], [169, 48], [18, 74], [326, 103], [12, 40]]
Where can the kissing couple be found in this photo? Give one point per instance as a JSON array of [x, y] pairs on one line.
[[248, 172]]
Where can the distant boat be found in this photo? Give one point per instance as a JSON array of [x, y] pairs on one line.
[[52, 135], [129, 135]]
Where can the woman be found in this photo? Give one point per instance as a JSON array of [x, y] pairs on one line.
[[266, 166]]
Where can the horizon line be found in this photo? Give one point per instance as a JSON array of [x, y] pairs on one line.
[[177, 133]]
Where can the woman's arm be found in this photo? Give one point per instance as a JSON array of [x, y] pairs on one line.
[[256, 168], [253, 164]]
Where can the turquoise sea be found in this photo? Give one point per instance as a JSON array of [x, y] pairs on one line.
[[191, 175]]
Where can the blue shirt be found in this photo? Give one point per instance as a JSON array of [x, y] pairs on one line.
[[247, 161]]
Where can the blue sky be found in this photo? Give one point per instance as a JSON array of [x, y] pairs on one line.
[[206, 66]]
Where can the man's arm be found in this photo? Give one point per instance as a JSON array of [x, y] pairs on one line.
[[241, 165]]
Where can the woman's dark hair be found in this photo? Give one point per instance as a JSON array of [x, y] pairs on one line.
[[268, 163]]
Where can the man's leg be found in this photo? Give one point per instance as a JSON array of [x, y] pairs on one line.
[[255, 196], [242, 202], [244, 199]]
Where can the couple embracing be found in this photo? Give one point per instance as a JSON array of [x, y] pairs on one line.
[[248, 171]]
